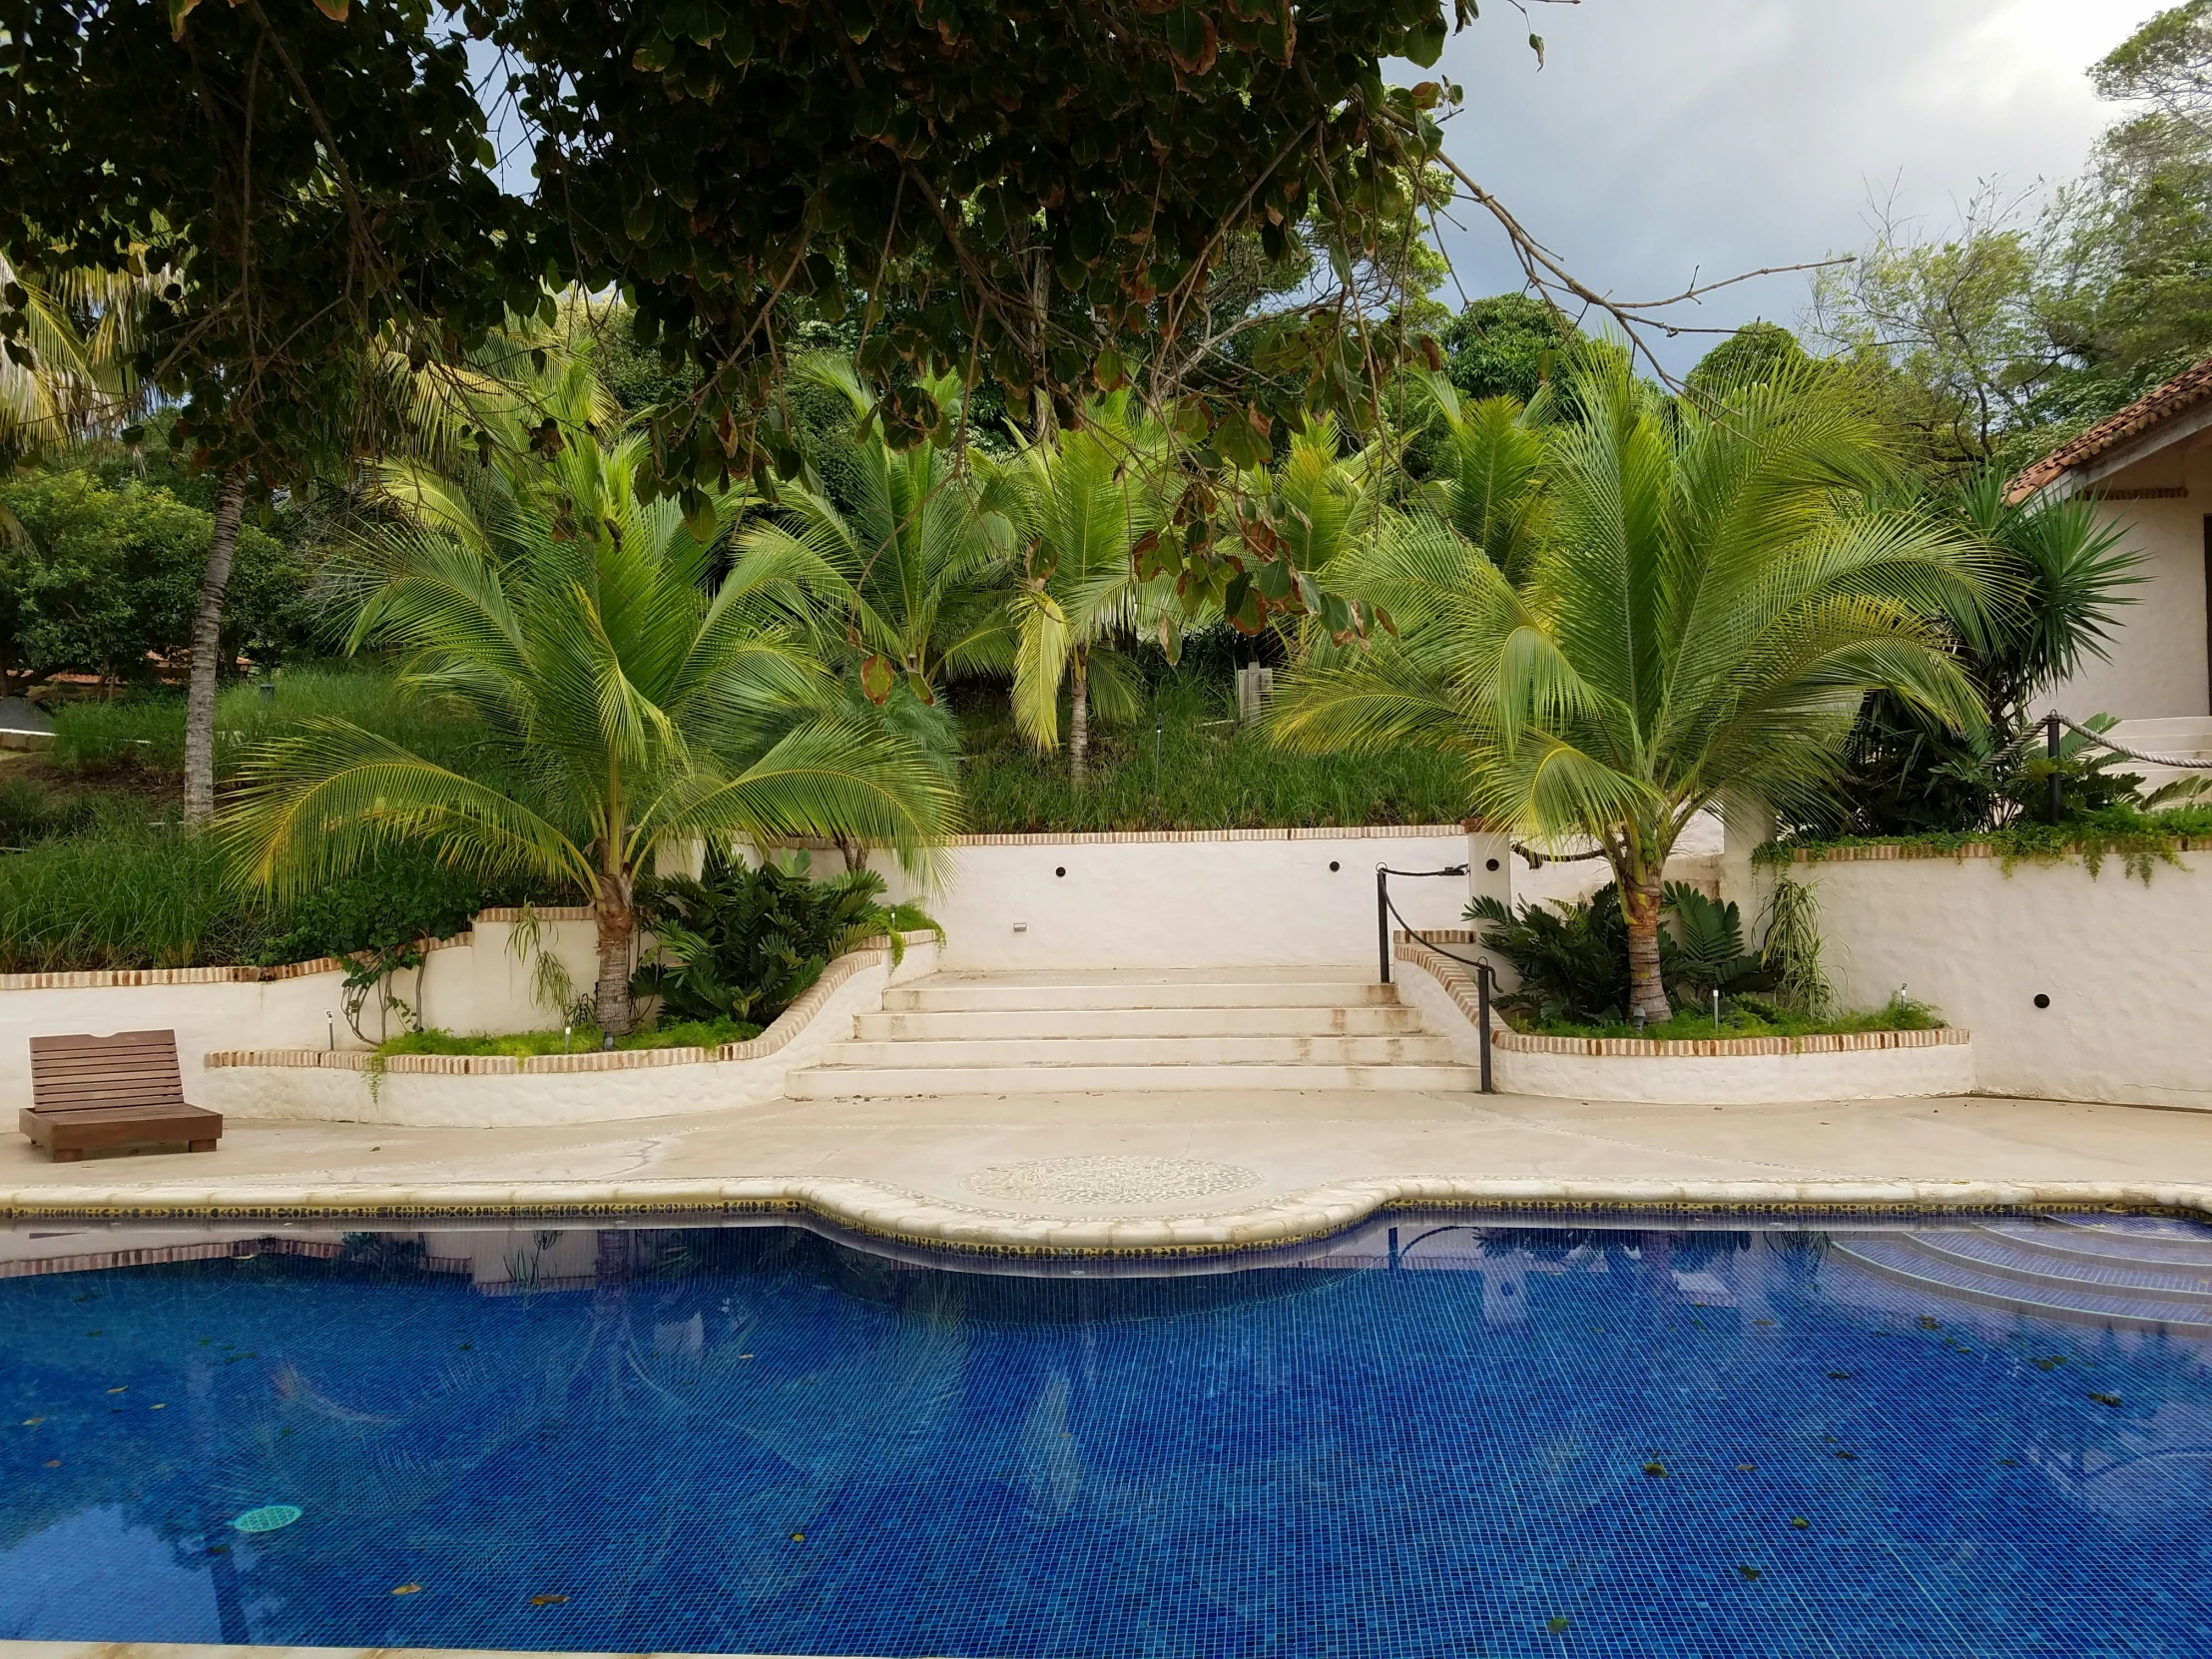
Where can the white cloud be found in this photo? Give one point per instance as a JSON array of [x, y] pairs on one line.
[[1664, 137]]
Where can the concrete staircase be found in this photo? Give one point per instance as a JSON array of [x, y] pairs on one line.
[[1218, 1029], [2141, 1273], [2185, 736]]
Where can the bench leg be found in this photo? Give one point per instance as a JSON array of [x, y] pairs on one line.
[[201, 1146], [67, 1154]]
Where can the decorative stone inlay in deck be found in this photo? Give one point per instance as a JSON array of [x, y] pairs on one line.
[[1110, 1180]]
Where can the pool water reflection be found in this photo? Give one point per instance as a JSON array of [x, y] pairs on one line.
[[1429, 1437]]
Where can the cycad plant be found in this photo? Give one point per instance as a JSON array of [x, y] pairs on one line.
[[1082, 500], [907, 552], [1710, 599], [631, 704]]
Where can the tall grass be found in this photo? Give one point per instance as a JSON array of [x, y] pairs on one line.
[[147, 731], [124, 894], [1213, 775]]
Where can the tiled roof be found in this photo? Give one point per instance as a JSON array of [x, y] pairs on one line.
[[2156, 407]]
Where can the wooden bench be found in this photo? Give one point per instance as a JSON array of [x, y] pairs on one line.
[[101, 1094]]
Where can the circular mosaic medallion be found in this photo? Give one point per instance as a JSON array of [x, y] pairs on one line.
[[269, 1517], [1110, 1180]]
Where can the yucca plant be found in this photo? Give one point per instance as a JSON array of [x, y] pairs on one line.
[[629, 703], [1710, 600]]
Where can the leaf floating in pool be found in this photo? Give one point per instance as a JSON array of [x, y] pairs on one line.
[[406, 1589], [2106, 1400], [125, 1388], [1929, 1323], [269, 1517], [284, 1432], [1655, 1471], [2052, 1363], [2009, 1462], [1747, 1468], [1762, 1322], [799, 1537], [159, 1405], [32, 1423], [1839, 1376], [547, 1601], [95, 1332], [53, 1463], [1558, 1626], [219, 1549], [1799, 1522], [1849, 1456], [465, 1347], [1750, 1574]]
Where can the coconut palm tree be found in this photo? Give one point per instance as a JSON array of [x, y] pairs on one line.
[[630, 703], [80, 333], [916, 565], [1709, 601], [1082, 500]]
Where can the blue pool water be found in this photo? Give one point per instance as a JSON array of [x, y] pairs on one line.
[[1429, 1439]]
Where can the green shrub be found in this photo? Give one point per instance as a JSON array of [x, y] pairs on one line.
[[30, 813], [1747, 1016], [743, 945], [1572, 959]]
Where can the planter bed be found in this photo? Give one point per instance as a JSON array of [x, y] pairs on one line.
[[1716, 1071]]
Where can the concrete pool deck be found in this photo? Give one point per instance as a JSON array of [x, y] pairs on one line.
[[1162, 1172]]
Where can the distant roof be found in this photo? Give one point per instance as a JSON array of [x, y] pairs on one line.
[[19, 714], [2150, 411]]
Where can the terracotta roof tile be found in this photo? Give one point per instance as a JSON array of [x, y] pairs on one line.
[[2161, 404]]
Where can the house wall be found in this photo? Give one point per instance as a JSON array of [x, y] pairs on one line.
[[2157, 665]]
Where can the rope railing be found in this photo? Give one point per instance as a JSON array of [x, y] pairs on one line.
[[1485, 975], [2103, 742]]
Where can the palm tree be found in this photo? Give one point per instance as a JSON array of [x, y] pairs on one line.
[[630, 704], [1709, 601], [79, 336], [917, 562], [1082, 500]]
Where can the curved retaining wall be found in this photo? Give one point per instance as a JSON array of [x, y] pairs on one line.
[[1731, 1071], [499, 1091]]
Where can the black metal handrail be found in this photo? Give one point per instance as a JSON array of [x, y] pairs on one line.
[[1485, 976]]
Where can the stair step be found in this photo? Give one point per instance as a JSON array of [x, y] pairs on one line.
[[983, 997], [1985, 1253], [1145, 1051], [1902, 1259], [1370, 1020], [2063, 1240], [848, 1082]]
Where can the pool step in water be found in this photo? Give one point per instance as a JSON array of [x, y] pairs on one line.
[[1031, 1034], [2054, 1268]]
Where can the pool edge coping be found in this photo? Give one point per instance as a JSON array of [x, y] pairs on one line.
[[874, 1210]]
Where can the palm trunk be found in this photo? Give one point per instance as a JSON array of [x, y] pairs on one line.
[[1647, 991], [207, 650], [611, 996], [1079, 721]]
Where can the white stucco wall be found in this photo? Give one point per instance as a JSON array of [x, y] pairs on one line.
[[473, 990], [2125, 966], [2157, 665], [1200, 903]]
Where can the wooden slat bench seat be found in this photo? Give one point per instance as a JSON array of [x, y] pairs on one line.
[[103, 1094]]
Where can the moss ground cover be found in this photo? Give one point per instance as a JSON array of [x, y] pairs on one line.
[[581, 1039]]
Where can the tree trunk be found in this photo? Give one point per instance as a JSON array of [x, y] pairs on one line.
[[854, 853], [1647, 991], [611, 998], [1079, 721], [207, 651]]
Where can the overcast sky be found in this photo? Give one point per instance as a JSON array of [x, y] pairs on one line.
[[1667, 136]]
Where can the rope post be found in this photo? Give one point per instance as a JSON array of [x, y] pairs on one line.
[[2050, 749], [1382, 920], [1483, 978]]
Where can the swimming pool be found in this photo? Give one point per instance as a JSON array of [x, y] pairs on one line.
[[1428, 1437]]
